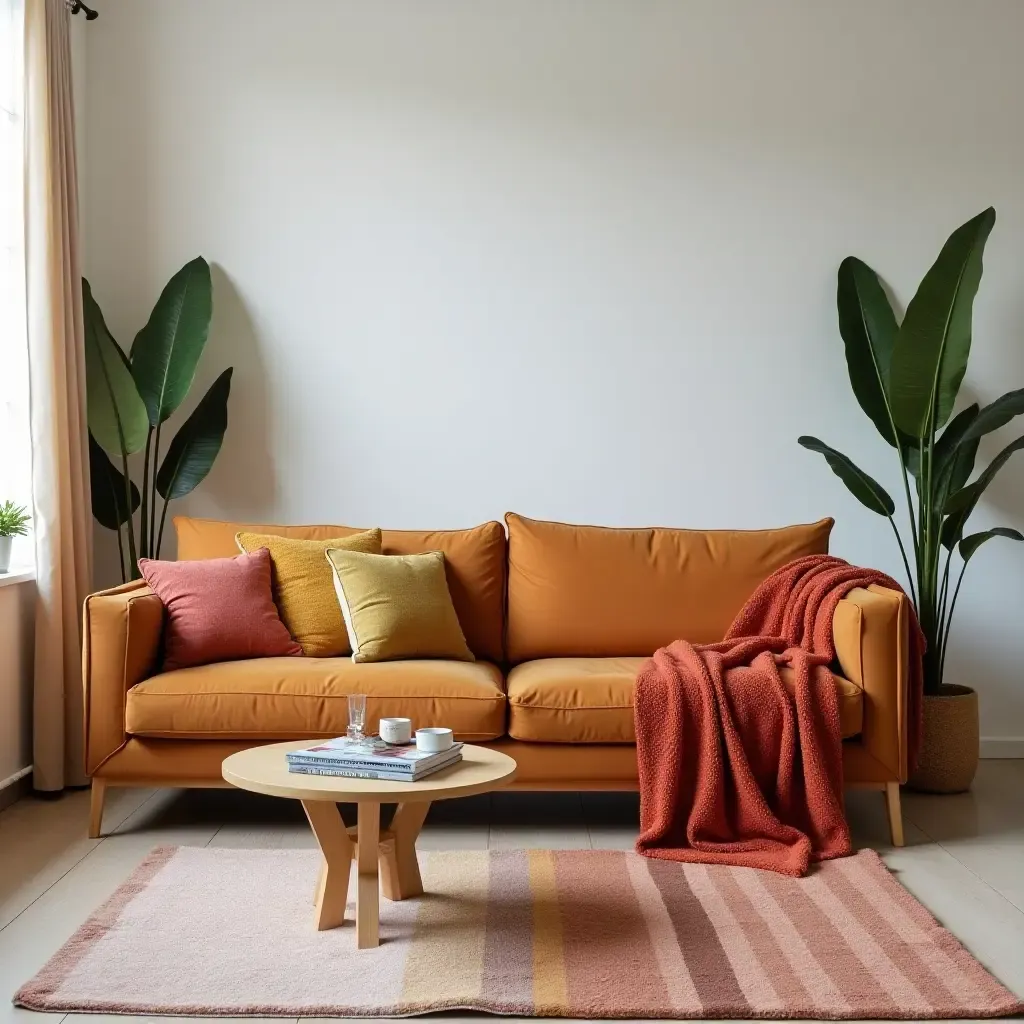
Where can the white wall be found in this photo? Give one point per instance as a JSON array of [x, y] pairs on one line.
[[570, 257]]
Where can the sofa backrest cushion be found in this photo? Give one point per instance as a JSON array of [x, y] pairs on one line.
[[593, 591], [475, 565]]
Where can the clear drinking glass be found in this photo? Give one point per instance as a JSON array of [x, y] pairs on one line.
[[356, 717]]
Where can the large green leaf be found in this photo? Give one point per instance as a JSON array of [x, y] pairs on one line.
[[929, 359], [109, 500], [955, 431], [953, 459], [962, 503], [195, 446], [971, 544], [868, 326], [166, 351], [953, 527], [867, 491], [952, 465], [116, 414], [996, 415], [959, 469]]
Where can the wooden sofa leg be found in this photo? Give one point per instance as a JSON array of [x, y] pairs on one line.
[[892, 806], [96, 797]]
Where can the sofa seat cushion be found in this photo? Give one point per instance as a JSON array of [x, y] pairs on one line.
[[590, 700], [292, 698]]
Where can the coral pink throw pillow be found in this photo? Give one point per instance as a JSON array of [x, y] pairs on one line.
[[219, 609]]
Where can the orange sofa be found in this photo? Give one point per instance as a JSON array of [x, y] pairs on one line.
[[559, 617]]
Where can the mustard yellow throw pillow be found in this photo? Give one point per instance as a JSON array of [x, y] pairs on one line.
[[304, 588], [397, 606]]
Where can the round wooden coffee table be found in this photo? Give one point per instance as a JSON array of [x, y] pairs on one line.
[[265, 770]]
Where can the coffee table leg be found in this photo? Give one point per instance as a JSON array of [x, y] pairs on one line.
[[400, 871], [368, 890], [335, 845]]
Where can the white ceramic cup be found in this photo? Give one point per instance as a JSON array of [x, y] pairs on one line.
[[433, 741], [396, 730]]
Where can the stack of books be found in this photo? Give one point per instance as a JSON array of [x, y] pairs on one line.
[[380, 761]]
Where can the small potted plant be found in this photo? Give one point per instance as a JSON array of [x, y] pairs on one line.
[[13, 523]]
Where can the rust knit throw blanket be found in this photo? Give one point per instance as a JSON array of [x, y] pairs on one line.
[[735, 770]]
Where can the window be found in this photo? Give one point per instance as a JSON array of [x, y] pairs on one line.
[[15, 443]]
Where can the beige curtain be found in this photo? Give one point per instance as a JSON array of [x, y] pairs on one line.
[[60, 451]]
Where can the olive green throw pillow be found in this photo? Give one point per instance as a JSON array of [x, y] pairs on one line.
[[397, 606]]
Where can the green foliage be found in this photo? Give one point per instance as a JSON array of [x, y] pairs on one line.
[[867, 491], [166, 351], [971, 544], [929, 359], [114, 499], [14, 520], [116, 414], [906, 378], [129, 400], [868, 328], [196, 444]]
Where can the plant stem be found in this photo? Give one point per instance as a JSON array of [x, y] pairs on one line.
[[943, 598], [152, 498], [133, 554], [163, 519], [949, 621], [910, 502], [903, 552], [913, 525], [145, 531], [120, 556], [926, 511], [929, 611], [922, 549]]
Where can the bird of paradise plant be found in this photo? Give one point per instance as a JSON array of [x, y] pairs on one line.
[[906, 376], [130, 397]]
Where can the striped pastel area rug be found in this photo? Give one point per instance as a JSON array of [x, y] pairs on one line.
[[568, 933]]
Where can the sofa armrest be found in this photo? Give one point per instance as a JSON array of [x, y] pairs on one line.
[[870, 629], [121, 630]]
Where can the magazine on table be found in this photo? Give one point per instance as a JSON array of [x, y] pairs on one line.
[[451, 756], [343, 752]]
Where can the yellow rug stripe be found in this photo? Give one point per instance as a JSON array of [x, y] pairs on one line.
[[550, 990]]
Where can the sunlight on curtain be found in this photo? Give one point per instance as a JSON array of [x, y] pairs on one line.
[[15, 449]]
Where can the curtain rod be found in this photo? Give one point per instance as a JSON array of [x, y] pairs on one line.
[[74, 6]]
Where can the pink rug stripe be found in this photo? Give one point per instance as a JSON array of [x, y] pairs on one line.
[[508, 944], [680, 990], [571, 933], [746, 964], [830, 948], [804, 967], [600, 938], [698, 941], [769, 956], [914, 926], [869, 951], [904, 957]]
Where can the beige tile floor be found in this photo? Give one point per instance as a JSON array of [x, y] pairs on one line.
[[964, 859]]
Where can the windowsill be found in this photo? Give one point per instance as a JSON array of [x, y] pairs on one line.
[[18, 574]]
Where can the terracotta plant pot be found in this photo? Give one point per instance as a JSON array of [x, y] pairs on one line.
[[949, 744]]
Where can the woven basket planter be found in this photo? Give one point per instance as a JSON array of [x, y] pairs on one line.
[[948, 759]]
